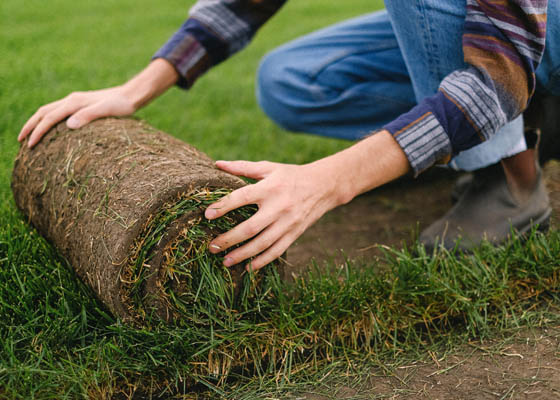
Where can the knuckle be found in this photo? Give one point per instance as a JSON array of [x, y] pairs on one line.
[[274, 254], [282, 187], [272, 188], [84, 115], [292, 211], [74, 96], [245, 196], [251, 230], [267, 242], [49, 119]]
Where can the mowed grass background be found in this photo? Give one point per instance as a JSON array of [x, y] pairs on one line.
[[56, 340], [50, 50]]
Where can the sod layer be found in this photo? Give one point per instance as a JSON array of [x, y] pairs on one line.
[[124, 204]]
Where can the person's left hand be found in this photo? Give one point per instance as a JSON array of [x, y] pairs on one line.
[[290, 198]]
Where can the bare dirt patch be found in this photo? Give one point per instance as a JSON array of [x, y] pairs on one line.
[[524, 366]]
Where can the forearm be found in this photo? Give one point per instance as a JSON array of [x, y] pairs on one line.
[[155, 79], [368, 164]]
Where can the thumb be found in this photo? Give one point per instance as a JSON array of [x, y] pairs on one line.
[[85, 116], [249, 169]]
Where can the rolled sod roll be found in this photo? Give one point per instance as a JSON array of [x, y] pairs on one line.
[[124, 203]]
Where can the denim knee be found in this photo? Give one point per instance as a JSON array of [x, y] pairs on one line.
[[274, 92], [430, 34]]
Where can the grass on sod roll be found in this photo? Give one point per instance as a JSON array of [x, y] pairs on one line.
[[197, 288]]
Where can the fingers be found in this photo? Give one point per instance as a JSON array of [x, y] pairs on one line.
[[273, 252], [49, 115], [49, 120], [269, 245], [254, 170], [238, 198], [35, 118], [242, 232], [86, 115], [262, 222], [82, 107], [284, 212], [266, 239]]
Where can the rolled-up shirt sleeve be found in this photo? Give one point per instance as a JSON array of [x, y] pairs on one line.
[[215, 30], [503, 43]]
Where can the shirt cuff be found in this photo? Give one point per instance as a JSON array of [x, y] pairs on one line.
[[187, 55], [422, 138]]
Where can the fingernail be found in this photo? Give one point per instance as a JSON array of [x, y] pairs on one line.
[[215, 247], [228, 261], [73, 123], [210, 213]]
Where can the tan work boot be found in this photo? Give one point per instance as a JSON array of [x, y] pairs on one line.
[[488, 210]]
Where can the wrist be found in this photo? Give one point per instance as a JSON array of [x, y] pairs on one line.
[[333, 178], [155, 79], [136, 93], [368, 164]]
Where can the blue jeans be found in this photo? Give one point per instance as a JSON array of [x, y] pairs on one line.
[[350, 79]]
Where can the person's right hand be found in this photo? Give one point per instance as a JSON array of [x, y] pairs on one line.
[[81, 107]]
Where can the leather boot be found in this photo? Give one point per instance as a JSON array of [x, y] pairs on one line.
[[488, 210]]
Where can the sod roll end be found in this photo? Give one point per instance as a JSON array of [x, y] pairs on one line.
[[124, 203]]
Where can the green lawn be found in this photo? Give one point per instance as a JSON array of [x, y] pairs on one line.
[[55, 339], [51, 50]]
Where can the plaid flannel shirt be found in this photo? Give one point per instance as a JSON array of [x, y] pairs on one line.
[[503, 43]]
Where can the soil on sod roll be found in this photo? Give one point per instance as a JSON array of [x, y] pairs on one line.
[[124, 204]]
